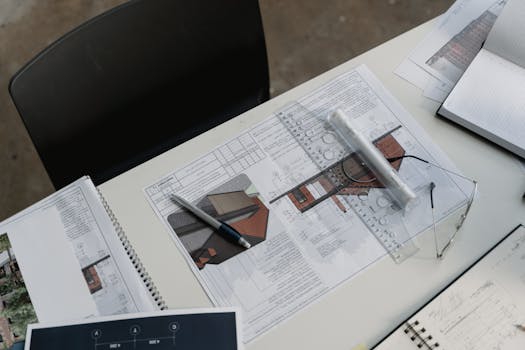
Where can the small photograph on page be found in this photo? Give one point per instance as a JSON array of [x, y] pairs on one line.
[[16, 310], [236, 202]]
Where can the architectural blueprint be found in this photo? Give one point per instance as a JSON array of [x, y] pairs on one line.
[[194, 329], [293, 164]]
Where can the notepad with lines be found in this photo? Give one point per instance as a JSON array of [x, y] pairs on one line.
[[477, 311]]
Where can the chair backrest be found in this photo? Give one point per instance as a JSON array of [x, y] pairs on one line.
[[139, 80]]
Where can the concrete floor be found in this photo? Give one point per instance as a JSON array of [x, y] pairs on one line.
[[304, 38]]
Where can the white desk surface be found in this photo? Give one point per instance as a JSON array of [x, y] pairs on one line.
[[368, 306]]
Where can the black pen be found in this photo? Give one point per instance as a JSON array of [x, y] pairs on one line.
[[221, 227]]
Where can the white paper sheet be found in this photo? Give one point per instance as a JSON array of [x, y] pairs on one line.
[[495, 110], [414, 74], [297, 256], [101, 260], [506, 38], [50, 269]]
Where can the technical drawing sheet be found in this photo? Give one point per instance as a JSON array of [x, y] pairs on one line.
[[96, 255], [283, 184], [191, 329]]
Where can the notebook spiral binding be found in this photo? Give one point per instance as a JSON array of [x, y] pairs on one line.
[[135, 260], [420, 336]]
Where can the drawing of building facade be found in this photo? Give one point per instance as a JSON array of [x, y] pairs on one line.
[[349, 176], [454, 58]]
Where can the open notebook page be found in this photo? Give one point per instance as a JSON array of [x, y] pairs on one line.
[[478, 311], [489, 101], [506, 37]]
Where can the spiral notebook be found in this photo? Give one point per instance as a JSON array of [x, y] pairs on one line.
[[479, 310], [74, 258]]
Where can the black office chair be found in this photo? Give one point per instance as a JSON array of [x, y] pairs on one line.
[[139, 80]]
